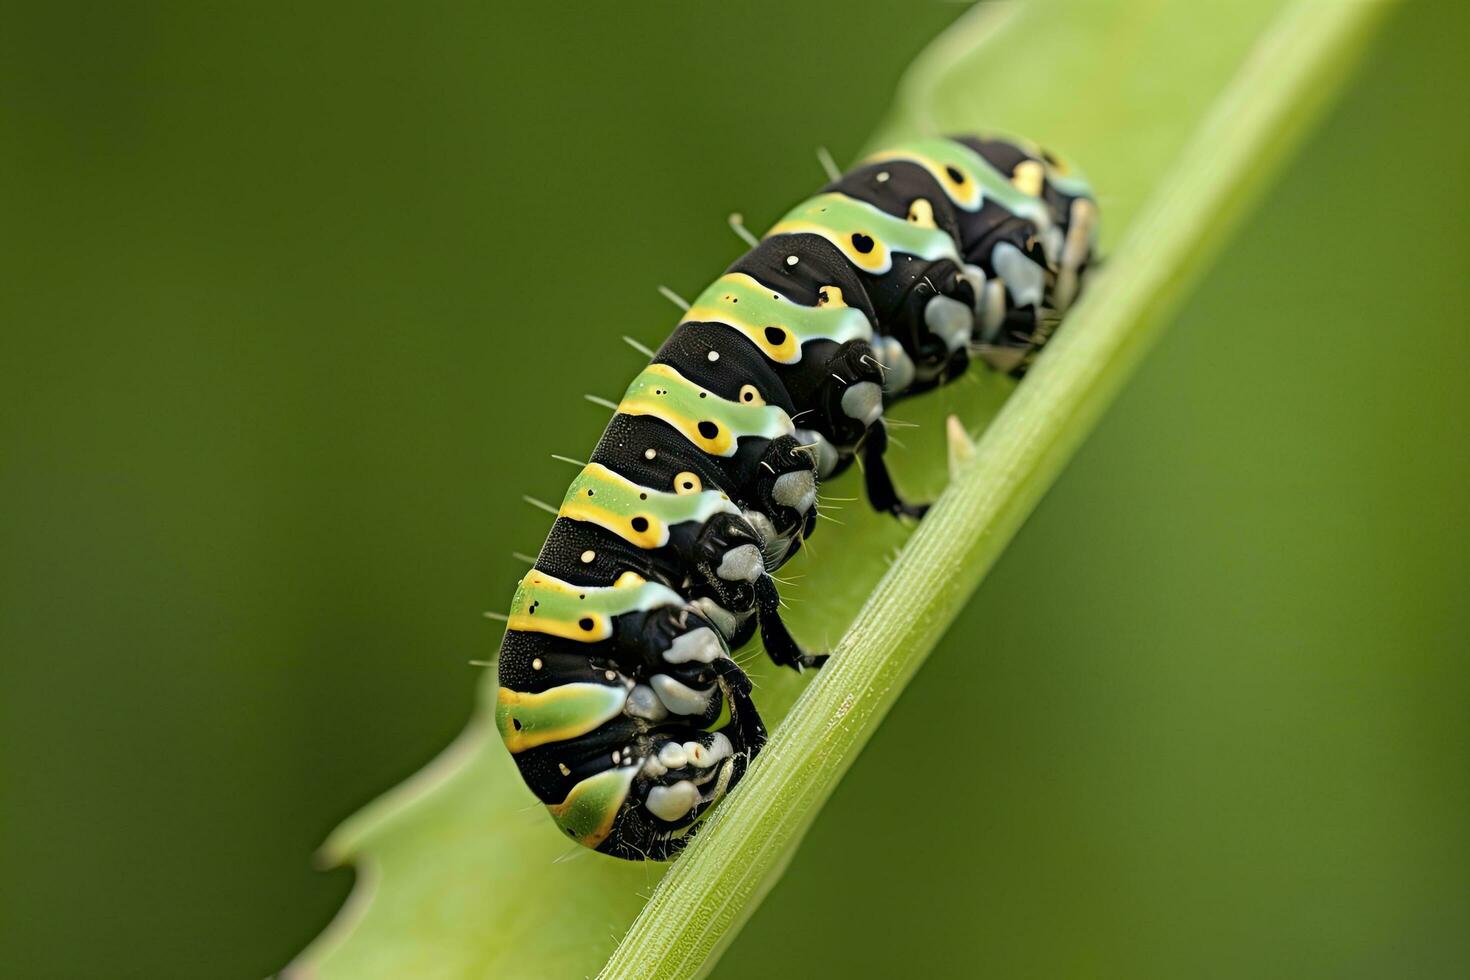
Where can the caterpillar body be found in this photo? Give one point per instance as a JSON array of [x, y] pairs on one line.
[[618, 697]]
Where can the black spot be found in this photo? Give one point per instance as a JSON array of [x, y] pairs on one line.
[[955, 175], [640, 524], [643, 496], [704, 394], [589, 493], [515, 723], [688, 485], [775, 336], [586, 623], [708, 429], [862, 242]]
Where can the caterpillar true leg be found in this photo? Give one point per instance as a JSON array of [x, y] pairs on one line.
[[879, 484], [780, 645]]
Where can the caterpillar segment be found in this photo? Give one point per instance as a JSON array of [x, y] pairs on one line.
[[619, 698]]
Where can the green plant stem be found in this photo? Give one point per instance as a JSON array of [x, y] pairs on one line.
[[712, 889]]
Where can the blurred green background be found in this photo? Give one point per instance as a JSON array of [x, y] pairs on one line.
[[282, 288]]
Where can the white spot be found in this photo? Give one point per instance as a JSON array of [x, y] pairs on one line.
[[723, 619], [714, 355], [720, 745], [672, 802], [900, 373], [993, 315], [826, 455], [536, 664], [611, 675], [678, 697], [883, 177], [949, 320], [587, 556], [764, 529], [741, 564], [797, 489], [1074, 251], [673, 756], [617, 757], [976, 277], [705, 756], [864, 400], [649, 453], [643, 703], [792, 260], [1025, 279], [701, 644], [1052, 243], [563, 767]]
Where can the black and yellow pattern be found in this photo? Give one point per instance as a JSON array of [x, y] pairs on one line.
[[618, 696]]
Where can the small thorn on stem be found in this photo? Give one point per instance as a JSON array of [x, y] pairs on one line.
[[961, 446]]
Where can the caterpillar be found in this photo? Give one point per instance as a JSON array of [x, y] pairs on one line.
[[618, 697]]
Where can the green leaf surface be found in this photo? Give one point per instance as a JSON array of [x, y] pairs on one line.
[[1175, 111]]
